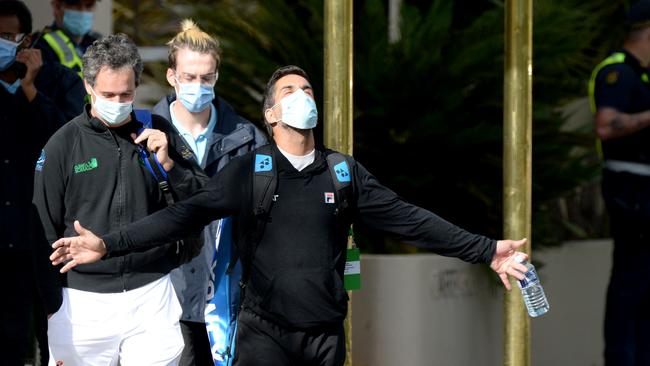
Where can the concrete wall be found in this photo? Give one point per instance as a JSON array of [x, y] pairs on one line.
[[430, 310], [42, 15]]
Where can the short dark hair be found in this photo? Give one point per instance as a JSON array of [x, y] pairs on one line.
[[277, 75], [18, 9]]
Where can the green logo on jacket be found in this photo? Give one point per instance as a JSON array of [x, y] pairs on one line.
[[84, 167]]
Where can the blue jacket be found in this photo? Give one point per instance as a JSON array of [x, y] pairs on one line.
[[232, 136], [26, 127]]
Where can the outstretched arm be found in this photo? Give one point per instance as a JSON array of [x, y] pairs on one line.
[[173, 223], [221, 197], [381, 209]]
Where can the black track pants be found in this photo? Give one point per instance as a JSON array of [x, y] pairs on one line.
[[262, 343]]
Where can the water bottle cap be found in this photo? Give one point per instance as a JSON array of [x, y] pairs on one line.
[[520, 258]]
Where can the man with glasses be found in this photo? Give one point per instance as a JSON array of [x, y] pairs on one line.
[[215, 134], [124, 310], [67, 39], [35, 100]]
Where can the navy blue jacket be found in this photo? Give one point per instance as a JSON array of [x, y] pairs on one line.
[[232, 136], [26, 127]]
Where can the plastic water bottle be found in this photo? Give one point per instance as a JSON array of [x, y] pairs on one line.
[[531, 289]]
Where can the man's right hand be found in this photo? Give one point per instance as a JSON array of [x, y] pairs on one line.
[[82, 249]]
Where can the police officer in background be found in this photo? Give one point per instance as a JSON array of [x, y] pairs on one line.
[[620, 97], [67, 39], [35, 100]]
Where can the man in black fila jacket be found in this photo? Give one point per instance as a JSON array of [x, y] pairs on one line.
[[294, 304], [123, 309]]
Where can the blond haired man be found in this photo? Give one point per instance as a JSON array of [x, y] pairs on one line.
[[215, 134]]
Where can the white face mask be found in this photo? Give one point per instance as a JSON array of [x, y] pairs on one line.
[[112, 113], [299, 110]]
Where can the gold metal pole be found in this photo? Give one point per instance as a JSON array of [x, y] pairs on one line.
[[338, 75], [338, 97], [517, 159]]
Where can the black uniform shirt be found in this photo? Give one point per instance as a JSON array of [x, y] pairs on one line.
[[620, 86]]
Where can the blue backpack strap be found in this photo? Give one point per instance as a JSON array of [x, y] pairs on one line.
[[150, 160], [143, 116]]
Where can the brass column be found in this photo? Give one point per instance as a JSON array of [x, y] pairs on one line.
[[517, 158], [337, 100]]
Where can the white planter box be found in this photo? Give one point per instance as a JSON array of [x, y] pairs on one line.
[[431, 310]]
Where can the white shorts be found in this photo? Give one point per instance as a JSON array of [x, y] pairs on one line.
[[137, 328]]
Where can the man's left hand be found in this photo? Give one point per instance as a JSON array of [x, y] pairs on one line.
[[504, 264], [157, 142]]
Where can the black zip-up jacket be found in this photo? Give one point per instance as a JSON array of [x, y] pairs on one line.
[[94, 174], [297, 271]]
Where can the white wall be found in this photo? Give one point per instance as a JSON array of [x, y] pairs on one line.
[[42, 15], [429, 310]]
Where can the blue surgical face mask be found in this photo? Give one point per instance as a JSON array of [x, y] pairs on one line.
[[196, 97], [11, 88], [112, 113], [77, 22], [7, 53], [299, 110]]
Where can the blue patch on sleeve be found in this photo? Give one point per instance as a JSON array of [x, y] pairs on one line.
[[41, 161], [263, 163], [342, 172]]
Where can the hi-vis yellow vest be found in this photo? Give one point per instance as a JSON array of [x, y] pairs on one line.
[[614, 58], [64, 49]]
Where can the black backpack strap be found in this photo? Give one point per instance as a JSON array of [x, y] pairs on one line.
[[265, 182], [341, 171]]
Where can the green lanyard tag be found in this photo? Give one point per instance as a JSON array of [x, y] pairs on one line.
[[352, 274]]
